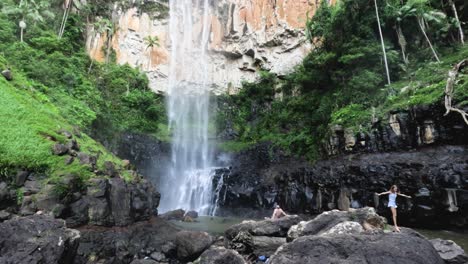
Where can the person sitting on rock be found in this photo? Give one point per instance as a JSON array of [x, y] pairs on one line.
[[392, 194], [278, 213]]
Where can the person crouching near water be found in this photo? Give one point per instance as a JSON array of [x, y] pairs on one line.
[[392, 195], [278, 213]]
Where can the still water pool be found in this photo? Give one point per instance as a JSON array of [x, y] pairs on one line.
[[217, 226]]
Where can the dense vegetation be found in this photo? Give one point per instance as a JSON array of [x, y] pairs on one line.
[[343, 80], [57, 87]]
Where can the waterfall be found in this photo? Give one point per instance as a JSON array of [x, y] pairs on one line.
[[187, 183]]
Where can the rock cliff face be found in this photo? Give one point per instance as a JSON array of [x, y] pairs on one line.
[[245, 36], [412, 152]]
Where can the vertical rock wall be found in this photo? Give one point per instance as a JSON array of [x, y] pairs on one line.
[[246, 36]]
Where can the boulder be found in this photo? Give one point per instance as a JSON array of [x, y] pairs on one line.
[[276, 228], [144, 261], [407, 247], [345, 228], [327, 220], [7, 74], [59, 149], [110, 170], [21, 177], [220, 255], [120, 201], [174, 215], [191, 244], [72, 144], [4, 215], [37, 239], [192, 214], [158, 256], [449, 251], [7, 196]]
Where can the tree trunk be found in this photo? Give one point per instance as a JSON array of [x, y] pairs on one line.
[[452, 76], [455, 13], [402, 42], [421, 26], [21, 34], [382, 41]]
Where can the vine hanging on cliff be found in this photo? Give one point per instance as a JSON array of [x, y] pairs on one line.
[[452, 76]]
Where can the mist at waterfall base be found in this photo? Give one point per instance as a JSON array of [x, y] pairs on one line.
[[188, 183]]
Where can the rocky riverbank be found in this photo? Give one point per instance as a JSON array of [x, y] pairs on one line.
[[356, 236], [420, 150]]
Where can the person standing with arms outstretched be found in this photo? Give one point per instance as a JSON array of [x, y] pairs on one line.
[[392, 195]]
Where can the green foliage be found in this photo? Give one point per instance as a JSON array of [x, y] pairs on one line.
[[342, 81], [54, 89]]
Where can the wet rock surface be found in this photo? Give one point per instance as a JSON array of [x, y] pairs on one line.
[[143, 242], [221, 255], [449, 251], [377, 248], [191, 244], [37, 239]]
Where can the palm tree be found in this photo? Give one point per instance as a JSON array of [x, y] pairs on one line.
[[29, 11], [151, 42], [382, 41]]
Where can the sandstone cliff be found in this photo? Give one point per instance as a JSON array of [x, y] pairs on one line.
[[245, 36]]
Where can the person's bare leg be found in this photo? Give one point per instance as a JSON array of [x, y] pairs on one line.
[[394, 216]]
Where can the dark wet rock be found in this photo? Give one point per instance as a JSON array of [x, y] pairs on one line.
[[259, 179], [259, 237], [449, 251], [37, 239], [123, 244], [21, 177], [31, 186], [328, 220], [120, 200], [4, 215], [158, 256], [59, 149], [192, 214], [174, 215], [191, 244], [7, 74], [7, 196], [72, 144], [86, 159], [67, 134], [28, 206], [47, 198], [110, 170], [278, 227], [78, 213], [220, 255], [407, 247], [69, 160], [144, 261]]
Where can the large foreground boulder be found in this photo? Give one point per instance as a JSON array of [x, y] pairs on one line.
[[191, 244], [221, 255], [37, 239], [269, 227], [259, 237], [407, 247], [449, 251], [366, 217]]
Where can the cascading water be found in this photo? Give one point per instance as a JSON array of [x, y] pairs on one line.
[[188, 183]]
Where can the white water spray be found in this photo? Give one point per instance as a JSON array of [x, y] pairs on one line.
[[188, 183]]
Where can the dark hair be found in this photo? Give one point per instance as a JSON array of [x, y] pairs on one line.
[[392, 189]]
